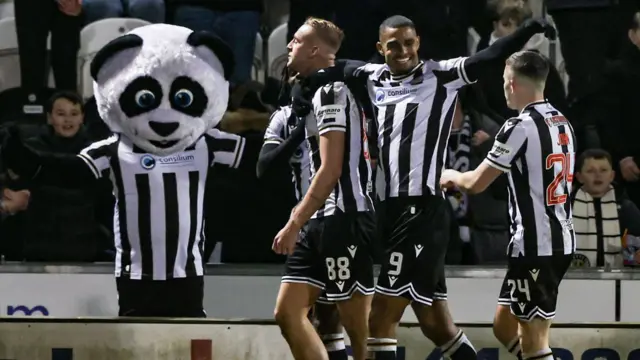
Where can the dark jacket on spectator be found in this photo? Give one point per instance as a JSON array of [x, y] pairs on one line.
[[65, 224], [615, 108], [577, 4]]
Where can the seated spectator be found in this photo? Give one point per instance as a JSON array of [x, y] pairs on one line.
[[603, 217], [34, 20], [508, 16], [237, 22], [150, 10], [484, 234], [61, 223]]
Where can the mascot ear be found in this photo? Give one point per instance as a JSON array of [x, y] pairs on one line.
[[221, 50], [115, 46]]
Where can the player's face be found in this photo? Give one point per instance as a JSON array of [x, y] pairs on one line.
[[399, 46], [508, 87], [596, 176], [301, 49], [503, 28], [65, 118]]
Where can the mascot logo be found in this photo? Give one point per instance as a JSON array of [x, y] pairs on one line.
[[147, 162]]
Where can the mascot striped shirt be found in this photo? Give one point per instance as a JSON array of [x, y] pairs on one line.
[[158, 219]]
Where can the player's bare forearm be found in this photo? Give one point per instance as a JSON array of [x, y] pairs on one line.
[[321, 187]]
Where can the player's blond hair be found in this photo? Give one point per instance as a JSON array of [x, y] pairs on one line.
[[328, 32]]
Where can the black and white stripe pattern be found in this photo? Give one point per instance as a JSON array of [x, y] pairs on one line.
[[158, 219], [335, 109], [538, 150], [414, 117], [280, 126]]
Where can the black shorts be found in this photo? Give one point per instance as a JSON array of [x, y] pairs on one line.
[[335, 254], [530, 287], [415, 236], [181, 297]]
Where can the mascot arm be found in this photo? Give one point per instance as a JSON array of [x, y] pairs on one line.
[[278, 148], [79, 170], [233, 151]]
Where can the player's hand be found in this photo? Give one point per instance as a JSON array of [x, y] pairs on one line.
[[448, 178], [301, 100], [629, 169], [479, 137], [286, 239], [541, 25], [14, 201]]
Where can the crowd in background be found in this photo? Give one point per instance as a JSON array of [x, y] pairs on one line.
[[599, 41]]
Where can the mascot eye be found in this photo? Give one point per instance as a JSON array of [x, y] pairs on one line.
[[183, 98], [145, 99]]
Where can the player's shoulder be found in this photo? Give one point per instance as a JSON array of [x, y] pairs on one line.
[[375, 71], [333, 89], [281, 115], [446, 64]]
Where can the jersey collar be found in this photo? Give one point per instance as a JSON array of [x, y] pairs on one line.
[[531, 105]]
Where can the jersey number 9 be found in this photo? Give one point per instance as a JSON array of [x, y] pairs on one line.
[[563, 176]]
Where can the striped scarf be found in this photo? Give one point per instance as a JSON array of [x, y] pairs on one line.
[[596, 220]]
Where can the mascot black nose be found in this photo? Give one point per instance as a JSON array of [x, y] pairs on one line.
[[163, 129]]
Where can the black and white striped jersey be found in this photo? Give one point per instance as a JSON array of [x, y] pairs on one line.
[[280, 126], [158, 219], [335, 109], [414, 117], [537, 149]]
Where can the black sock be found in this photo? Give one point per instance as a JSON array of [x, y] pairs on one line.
[[334, 343], [544, 354], [514, 347], [382, 349], [459, 348]]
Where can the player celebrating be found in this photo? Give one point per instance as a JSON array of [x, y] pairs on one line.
[[415, 101], [333, 253], [537, 149], [284, 147]]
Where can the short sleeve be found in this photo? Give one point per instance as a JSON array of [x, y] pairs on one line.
[[97, 156], [451, 72], [225, 148], [275, 133], [509, 140], [330, 108]]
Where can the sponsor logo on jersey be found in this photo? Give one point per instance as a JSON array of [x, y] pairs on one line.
[[556, 120], [563, 139], [149, 162], [328, 113], [499, 149], [381, 94]]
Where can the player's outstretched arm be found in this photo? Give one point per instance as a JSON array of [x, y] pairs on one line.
[[499, 51], [27, 166], [352, 72]]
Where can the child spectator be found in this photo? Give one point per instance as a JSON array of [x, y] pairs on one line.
[[604, 218]]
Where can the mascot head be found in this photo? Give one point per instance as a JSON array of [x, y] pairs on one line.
[[162, 86]]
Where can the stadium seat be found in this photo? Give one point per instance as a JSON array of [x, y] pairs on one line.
[[92, 38], [9, 60], [277, 50], [257, 73], [6, 9]]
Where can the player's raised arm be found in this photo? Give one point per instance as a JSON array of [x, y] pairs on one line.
[[27, 165], [499, 51]]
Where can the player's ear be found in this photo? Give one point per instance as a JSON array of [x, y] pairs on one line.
[[579, 177], [612, 176], [417, 42], [379, 47]]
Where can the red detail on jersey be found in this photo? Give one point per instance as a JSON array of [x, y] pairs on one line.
[[563, 139]]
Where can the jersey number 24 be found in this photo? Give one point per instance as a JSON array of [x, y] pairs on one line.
[[563, 176]]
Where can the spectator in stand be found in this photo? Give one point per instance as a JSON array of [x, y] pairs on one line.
[[34, 20], [150, 10], [63, 224], [606, 222], [615, 112], [507, 16], [484, 234], [237, 22]]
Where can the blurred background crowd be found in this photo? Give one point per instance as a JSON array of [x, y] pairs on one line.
[[46, 48]]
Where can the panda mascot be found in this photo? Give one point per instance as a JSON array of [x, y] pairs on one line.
[[161, 89]]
